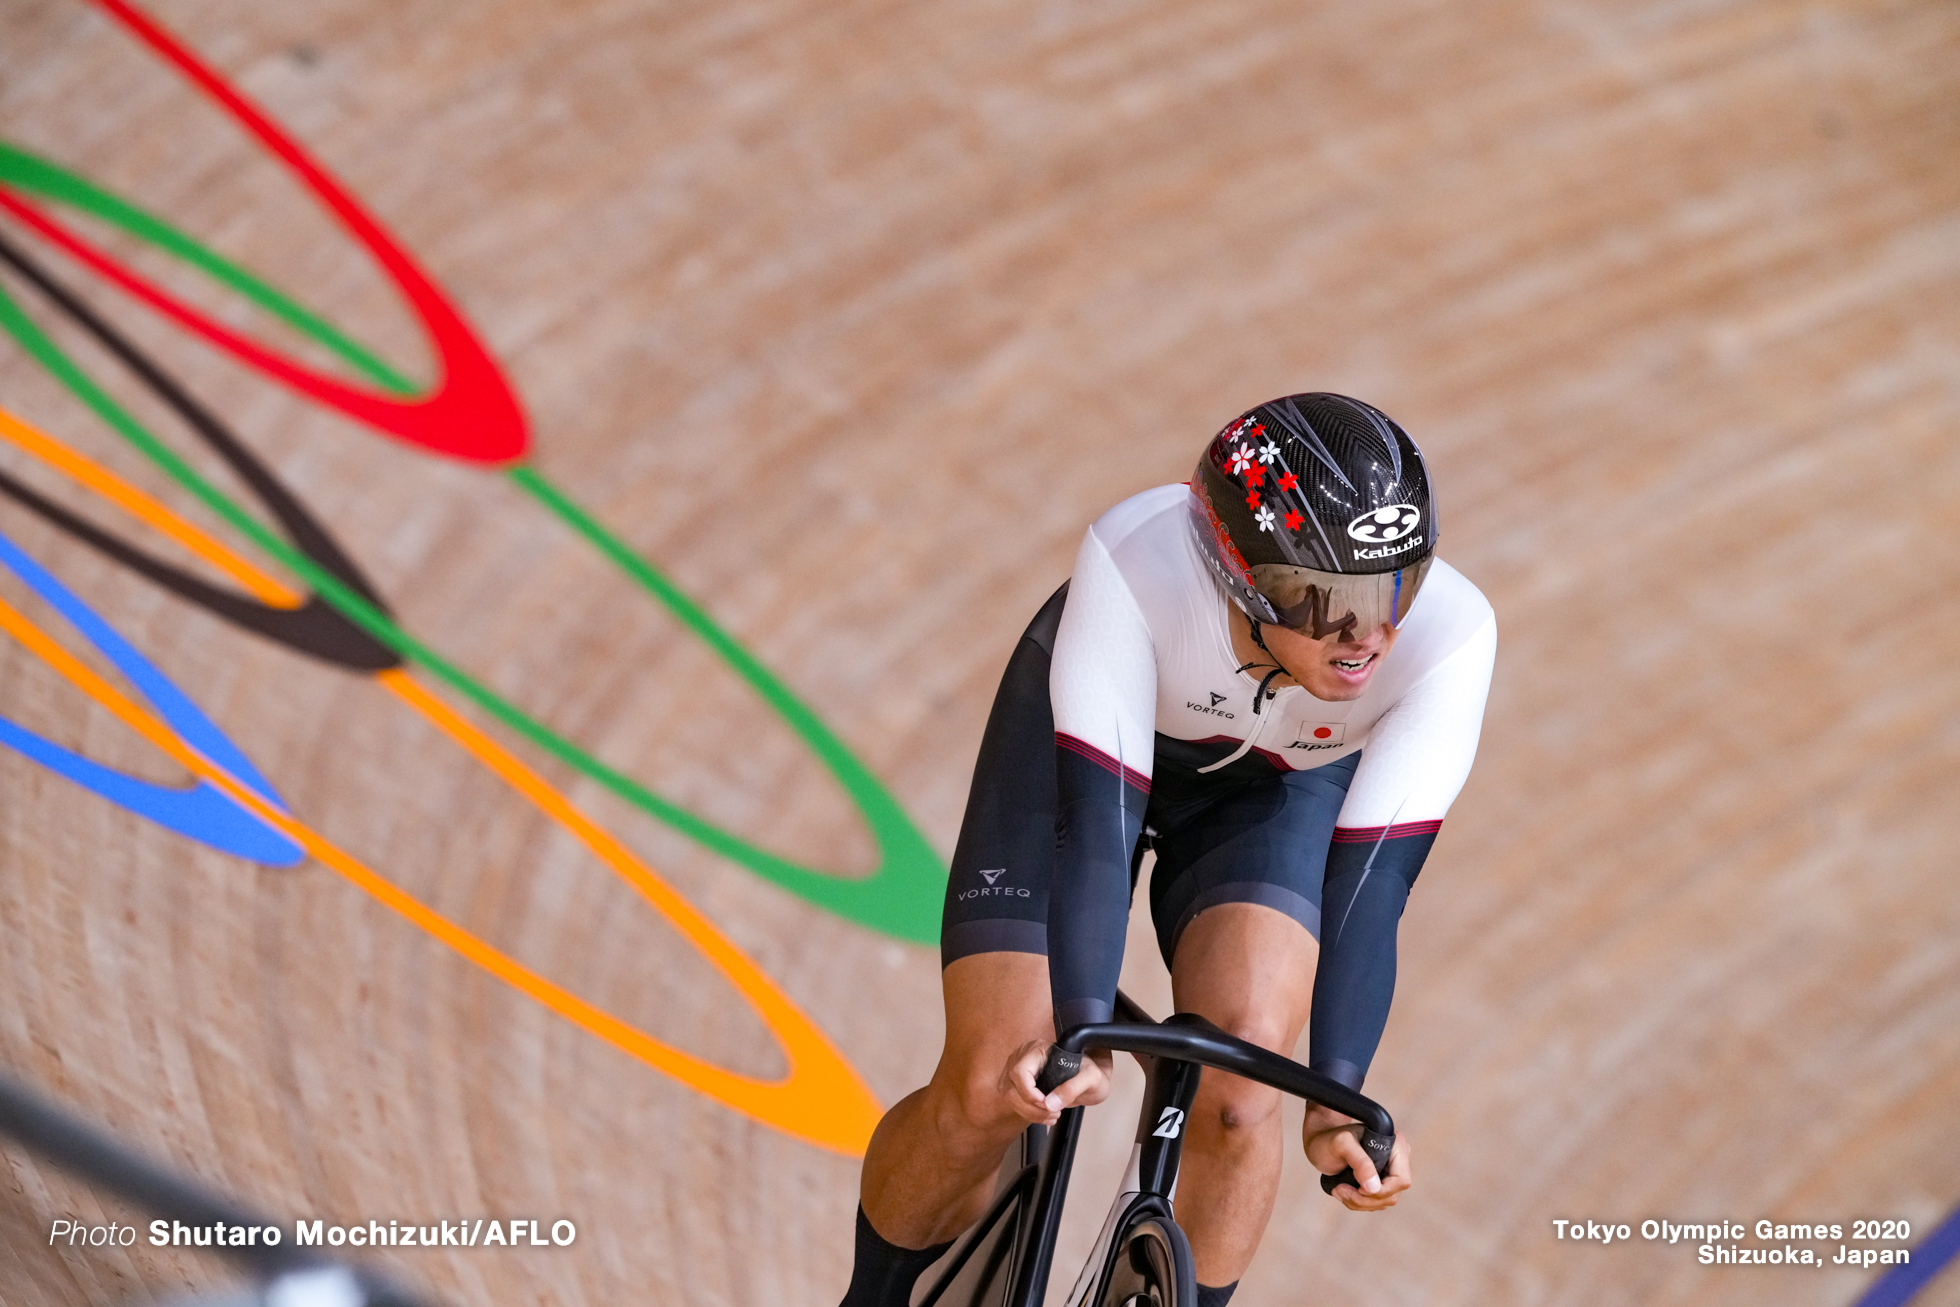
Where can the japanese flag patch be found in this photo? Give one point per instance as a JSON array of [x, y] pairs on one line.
[[1320, 735]]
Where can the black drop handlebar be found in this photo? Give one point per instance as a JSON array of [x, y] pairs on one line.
[[1187, 1038]]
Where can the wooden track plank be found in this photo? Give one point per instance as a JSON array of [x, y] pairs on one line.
[[851, 316]]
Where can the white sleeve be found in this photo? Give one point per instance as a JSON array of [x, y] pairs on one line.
[[1103, 678], [1419, 753]]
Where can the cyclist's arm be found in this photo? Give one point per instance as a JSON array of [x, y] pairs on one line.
[[1103, 686], [1416, 760]]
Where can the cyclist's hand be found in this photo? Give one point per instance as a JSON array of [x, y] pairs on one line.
[[1333, 1144], [1086, 1088]]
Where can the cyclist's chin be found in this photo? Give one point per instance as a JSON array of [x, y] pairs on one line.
[[1337, 684]]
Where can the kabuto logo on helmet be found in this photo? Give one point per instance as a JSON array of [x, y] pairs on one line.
[[1385, 524]]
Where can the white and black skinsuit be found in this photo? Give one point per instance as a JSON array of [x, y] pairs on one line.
[[1124, 708]]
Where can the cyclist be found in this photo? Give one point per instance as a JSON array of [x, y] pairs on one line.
[[1269, 679]]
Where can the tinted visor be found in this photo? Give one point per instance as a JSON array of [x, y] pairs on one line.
[[1321, 603]]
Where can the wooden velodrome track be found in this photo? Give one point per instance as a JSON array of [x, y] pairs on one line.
[[849, 317]]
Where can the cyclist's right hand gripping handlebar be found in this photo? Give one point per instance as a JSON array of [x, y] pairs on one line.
[[1060, 1068], [1377, 1146]]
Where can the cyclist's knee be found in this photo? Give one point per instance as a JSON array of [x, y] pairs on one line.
[[970, 1107], [975, 1106], [1239, 1108]]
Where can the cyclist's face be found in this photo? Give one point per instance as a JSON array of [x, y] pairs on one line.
[[1336, 667]]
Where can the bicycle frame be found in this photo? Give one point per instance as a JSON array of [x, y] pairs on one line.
[[1174, 1054]]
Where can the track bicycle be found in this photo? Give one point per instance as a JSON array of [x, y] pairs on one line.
[[1141, 1258]]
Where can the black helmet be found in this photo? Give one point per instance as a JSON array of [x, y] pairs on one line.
[[1314, 512]]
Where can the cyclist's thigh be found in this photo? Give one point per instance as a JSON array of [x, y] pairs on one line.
[[1266, 845], [1248, 970]]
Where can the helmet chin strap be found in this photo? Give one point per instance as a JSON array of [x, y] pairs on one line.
[[1265, 690]]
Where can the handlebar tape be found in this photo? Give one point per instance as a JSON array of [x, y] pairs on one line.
[[1060, 1067], [1378, 1148]]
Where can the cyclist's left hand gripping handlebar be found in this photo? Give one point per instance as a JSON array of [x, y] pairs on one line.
[[1379, 1148], [1060, 1068]]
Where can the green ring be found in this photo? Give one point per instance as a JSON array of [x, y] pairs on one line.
[[900, 898]]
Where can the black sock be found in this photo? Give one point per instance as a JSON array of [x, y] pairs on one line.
[[884, 1273], [1210, 1297]]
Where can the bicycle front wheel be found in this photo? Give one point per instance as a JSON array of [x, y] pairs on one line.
[[1150, 1266]]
